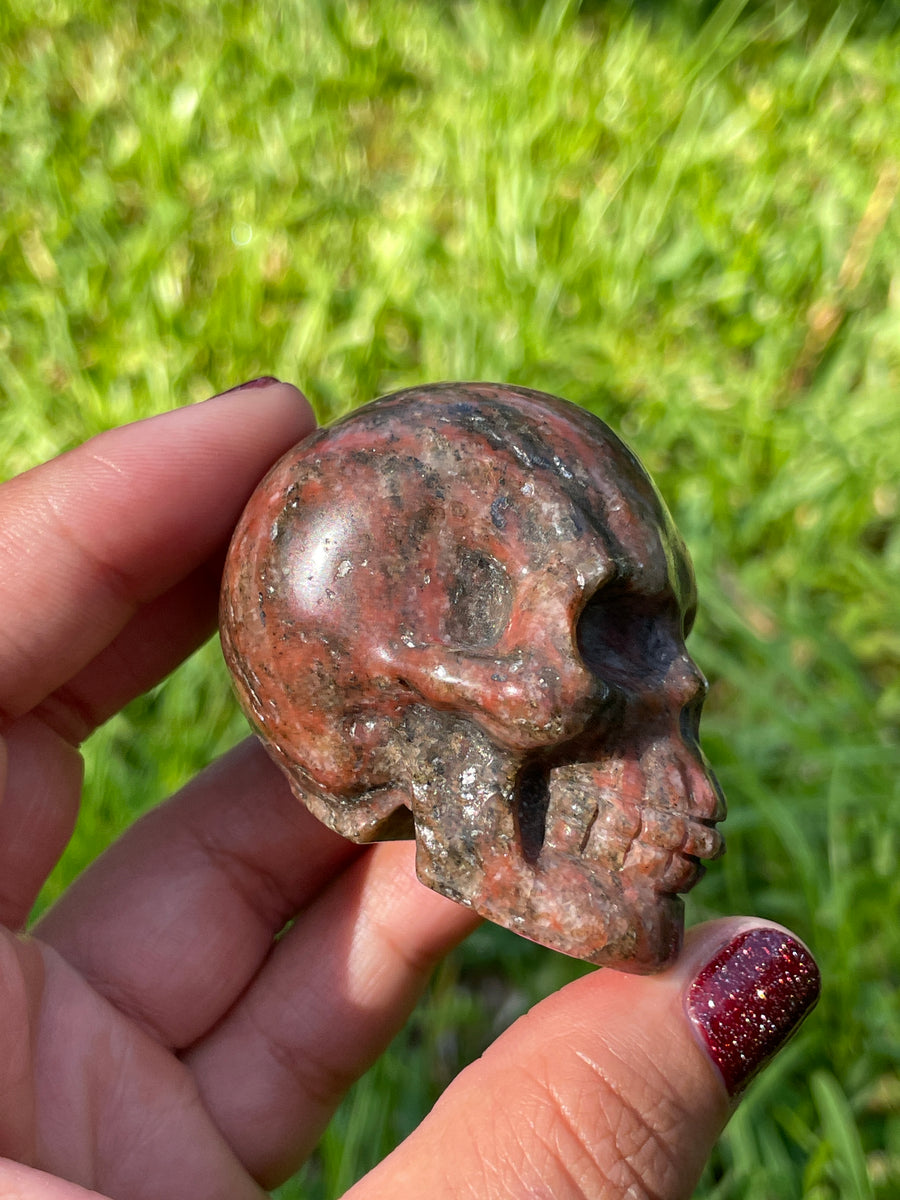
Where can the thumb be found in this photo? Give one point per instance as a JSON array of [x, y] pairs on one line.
[[618, 1085]]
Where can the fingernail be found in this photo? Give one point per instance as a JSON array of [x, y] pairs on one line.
[[748, 1000], [261, 382]]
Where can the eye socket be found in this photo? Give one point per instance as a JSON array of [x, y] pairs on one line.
[[626, 639], [480, 595]]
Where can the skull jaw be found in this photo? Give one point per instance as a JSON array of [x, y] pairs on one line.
[[587, 888], [608, 919], [576, 879]]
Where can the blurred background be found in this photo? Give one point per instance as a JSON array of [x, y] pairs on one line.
[[682, 216]]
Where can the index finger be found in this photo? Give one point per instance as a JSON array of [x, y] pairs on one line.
[[116, 532]]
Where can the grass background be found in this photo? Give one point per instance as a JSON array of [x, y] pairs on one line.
[[682, 216]]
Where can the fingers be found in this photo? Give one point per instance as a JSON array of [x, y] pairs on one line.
[[86, 1096], [173, 921], [160, 635], [108, 578], [175, 925], [38, 808], [335, 992], [21, 980], [90, 538], [616, 1086], [18, 1182]]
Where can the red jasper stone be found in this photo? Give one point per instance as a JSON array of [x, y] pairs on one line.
[[459, 614]]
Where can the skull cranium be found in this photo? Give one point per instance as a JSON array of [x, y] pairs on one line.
[[459, 613]]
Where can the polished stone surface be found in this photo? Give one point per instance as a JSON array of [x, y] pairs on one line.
[[459, 614]]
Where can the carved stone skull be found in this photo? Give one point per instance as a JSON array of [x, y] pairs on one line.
[[459, 614]]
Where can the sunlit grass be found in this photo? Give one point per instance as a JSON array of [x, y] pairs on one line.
[[691, 228]]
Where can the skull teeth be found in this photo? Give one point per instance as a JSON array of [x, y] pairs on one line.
[[666, 830], [673, 830]]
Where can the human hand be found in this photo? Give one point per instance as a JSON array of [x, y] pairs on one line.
[[156, 1040]]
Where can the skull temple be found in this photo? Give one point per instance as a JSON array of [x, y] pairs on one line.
[[459, 614]]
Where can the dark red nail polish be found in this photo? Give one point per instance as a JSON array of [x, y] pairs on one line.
[[262, 381], [750, 998]]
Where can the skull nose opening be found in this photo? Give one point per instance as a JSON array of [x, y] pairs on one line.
[[532, 795], [689, 721]]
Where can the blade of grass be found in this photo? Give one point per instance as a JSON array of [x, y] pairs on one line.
[[840, 1129]]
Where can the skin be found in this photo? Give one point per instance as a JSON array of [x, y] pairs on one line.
[[156, 1040]]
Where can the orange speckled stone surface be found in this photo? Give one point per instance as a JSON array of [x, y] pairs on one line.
[[459, 613]]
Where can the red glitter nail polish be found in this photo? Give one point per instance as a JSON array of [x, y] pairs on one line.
[[750, 998]]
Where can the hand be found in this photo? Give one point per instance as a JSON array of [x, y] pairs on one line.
[[156, 1040]]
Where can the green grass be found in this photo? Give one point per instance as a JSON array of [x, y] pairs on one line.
[[688, 224]]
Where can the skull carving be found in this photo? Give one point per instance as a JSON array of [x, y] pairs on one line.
[[459, 614]]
